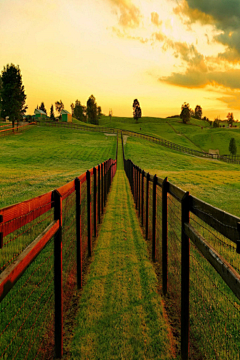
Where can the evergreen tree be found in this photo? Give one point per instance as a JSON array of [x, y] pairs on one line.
[[233, 146], [42, 107], [92, 110], [13, 96], [52, 113], [230, 118]]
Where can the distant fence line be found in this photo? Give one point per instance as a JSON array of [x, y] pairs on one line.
[[197, 247], [12, 130], [161, 141], [44, 246]]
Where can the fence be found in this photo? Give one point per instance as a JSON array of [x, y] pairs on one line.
[[8, 129], [197, 247], [44, 244]]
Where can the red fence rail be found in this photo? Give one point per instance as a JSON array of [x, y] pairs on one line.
[[197, 247], [12, 130], [44, 246]]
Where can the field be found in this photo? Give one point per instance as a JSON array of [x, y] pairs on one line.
[[42, 159], [198, 134]]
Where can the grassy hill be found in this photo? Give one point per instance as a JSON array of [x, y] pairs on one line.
[[198, 134]]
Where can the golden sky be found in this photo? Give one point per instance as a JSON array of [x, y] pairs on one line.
[[162, 52]]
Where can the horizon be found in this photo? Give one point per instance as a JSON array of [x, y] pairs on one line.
[[162, 53]]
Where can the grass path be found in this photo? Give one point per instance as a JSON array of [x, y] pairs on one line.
[[120, 313]]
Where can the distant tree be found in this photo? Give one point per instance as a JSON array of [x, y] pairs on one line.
[[137, 112], [185, 113], [59, 107], [13, 96], [99, 111], [198, 112], [92, 110], [52, 113], [72, 108], [78, 110], [216, 122], [230, 118], [42, 107], [37, 106], [0, 96], [233, 146], [192, 113]]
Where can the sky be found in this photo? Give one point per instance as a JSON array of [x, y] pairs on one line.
[[162, 52]]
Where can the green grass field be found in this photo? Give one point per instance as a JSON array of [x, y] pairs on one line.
[[198, 134], [43, 158], [215, 182]]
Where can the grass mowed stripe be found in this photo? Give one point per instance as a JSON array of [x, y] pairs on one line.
[[120, 312]]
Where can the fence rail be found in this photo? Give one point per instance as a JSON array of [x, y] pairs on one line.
[[12, 130], [44, 246], [198, 247]]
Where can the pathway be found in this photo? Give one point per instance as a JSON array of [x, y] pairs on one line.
[[121, 314]]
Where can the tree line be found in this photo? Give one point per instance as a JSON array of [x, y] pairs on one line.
[[13, 99]]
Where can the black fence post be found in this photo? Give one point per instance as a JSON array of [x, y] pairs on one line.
[[99, 194], [165, 236], [95, 201], [102, 202], [89, 213], [105, 180], [147, 204], [78, 233], [139, 191], [142, 195], [185, 269], [58, 290], [154, 205]]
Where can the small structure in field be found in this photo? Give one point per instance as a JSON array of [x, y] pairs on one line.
[[214, 153], [39, 114], [66, 116]]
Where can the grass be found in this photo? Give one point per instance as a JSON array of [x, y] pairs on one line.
[[198, 134], [120, 312], [212, 181], [42, 159]]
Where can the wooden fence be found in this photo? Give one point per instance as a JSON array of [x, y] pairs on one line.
[[197, 248], [9, 130], [44, 245]]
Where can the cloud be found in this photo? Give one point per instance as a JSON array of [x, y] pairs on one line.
[[193, 78], [155, 19], [159, 36], [232, 101], [124, 35], [129, 14], [223, 14]]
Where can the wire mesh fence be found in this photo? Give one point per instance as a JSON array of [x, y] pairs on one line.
[[200, 267], [44, 245]]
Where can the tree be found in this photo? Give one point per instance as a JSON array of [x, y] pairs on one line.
[[233, 146], [59, 107], [78, 111], [92, 110], [42, 107], [198, 112], [52, 113], [230, 118], [185, 113], [13, 96], [216, 122], [72, 108], [99, 111], [137, 112]]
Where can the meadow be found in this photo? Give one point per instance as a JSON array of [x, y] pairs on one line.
[[198, 134], [42, 159]]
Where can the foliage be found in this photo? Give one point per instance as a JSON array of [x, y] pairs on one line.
[[99, 111], [185, 113], [42, 107], [59, 107], [233, 146], [92, 110], [52, 113], [137, 112], [78, 111], [230, 118], [13, 96], [198, 112], [216, 123]]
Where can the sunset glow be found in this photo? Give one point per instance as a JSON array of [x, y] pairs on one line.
[[163, 52]]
